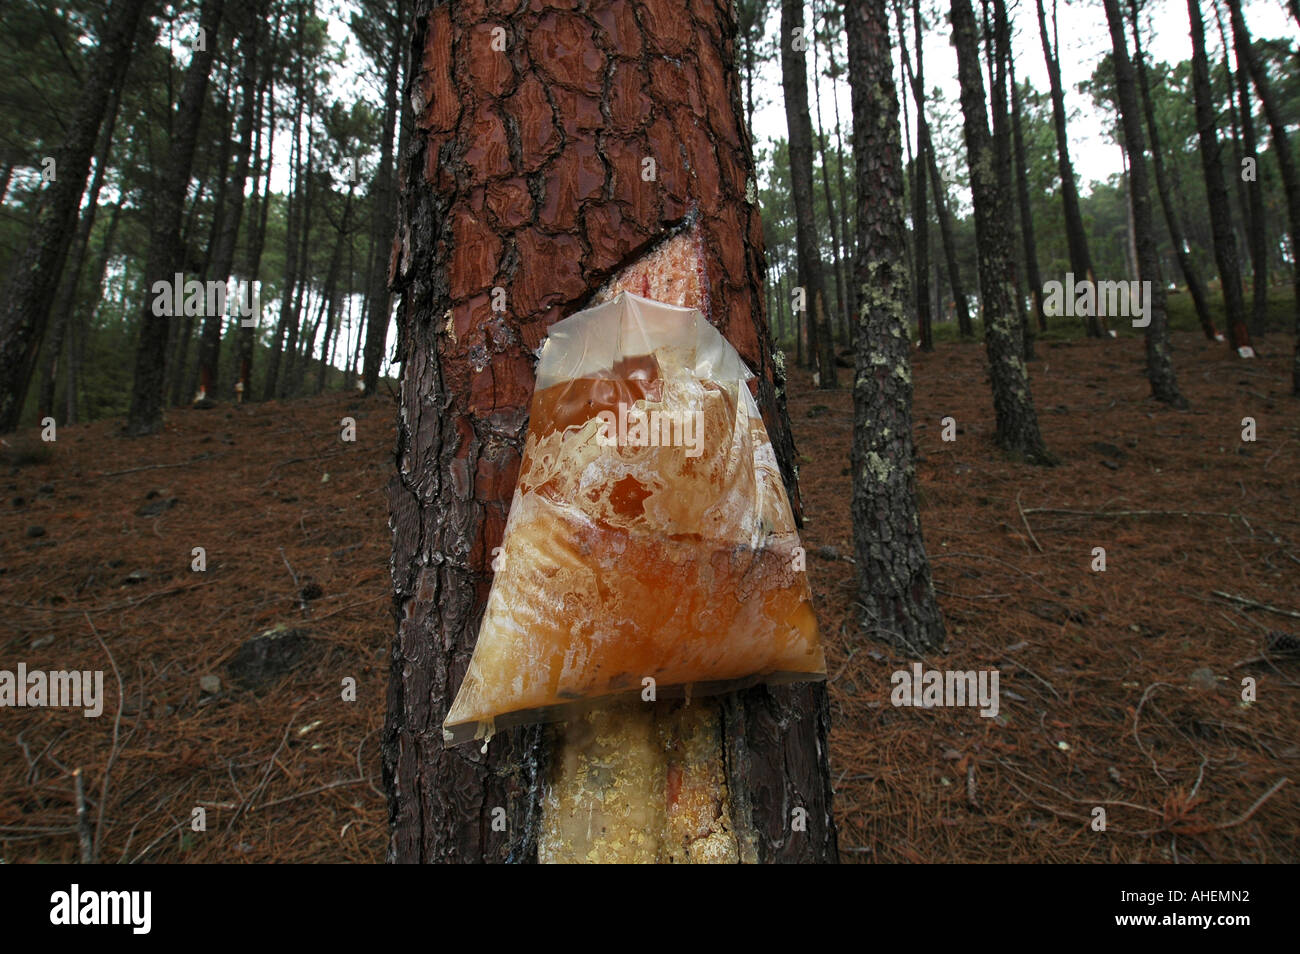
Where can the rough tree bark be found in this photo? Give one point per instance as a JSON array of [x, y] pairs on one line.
[[1225, 246], [527, 171], [1160, 369], [1017, 421], [794, 84], [25, 308], [894, 584], [163, 256]]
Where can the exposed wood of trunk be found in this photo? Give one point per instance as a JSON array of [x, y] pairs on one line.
[[162, 260], [1225, 246], [1017, 421], [26, 296], [895, 588], [671, 95], [1160, 369], [794, 84]]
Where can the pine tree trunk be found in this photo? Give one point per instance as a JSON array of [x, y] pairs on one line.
[[895, 589], [1030, 245], [293, 217], [257, 240], [794, 83], [384, 209], [25, 300], [669, 94], [1286, 163], [920, 207], [1173, 221], [1000, 48], [180, 377], [1225, 246], [1076, 237], [1017, 422], [836, 326], [66, 301], [163, 257], [1255, 224], [1160, 369], [223, 258]]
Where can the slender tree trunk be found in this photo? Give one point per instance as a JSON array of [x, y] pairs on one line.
[[846, 235], [1075, 235], [66, 301], [836, 325], [964, 325], [293, 217], [25, 299], [917, 175], [301, 300], [1255, 224], [794, 83], [223, 259], [257, 242], [1017, 422], [180, 378], [82, 319], [1000, 50], [162, 261], [1030, 245], [1160, 369], [1225, 246], [895, 589], [1191, 275], [384, 207], [1235, 131], [1286, 163], [754, 756]]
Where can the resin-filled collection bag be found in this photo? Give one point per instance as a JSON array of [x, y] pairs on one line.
[[650, 536]]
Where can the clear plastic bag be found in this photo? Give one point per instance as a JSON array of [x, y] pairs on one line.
[[650, 546]]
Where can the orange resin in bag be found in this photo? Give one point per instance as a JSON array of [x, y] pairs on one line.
[[650, 536]]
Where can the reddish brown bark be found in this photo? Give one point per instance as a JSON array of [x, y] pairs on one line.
[[526, 174]]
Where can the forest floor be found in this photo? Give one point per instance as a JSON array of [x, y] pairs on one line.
[[1120, 690]]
